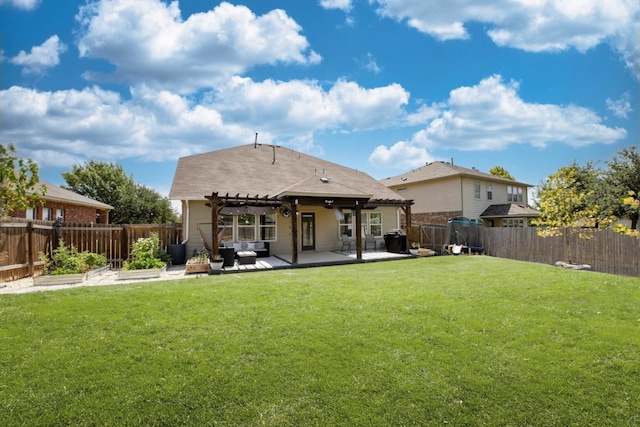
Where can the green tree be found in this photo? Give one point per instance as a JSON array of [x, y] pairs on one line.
[[18, 179], [568, 203], [623, 176], [501, 172], [133, 203]]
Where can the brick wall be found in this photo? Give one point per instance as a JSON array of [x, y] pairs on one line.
[[72, 213], [433, 217]]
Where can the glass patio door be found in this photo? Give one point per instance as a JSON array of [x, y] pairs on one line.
[[308, 231]]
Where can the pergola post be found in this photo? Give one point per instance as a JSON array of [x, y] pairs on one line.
[[358, 230], [294, 232], [214, 225], [407, 214]]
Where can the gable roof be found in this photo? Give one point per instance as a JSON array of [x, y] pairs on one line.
[[59, 194], [513, 210], [440, 170], [270, 170]]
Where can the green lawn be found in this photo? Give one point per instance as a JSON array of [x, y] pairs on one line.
[[433, 341]]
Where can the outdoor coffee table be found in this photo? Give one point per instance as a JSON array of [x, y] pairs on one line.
[[246, 257]]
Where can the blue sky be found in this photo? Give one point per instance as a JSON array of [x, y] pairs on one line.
[[383, 86]]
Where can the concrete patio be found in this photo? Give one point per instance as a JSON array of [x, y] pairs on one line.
[[314, 259]]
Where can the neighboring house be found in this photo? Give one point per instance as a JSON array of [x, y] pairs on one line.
[[442, 191], [71, 207], [293, 201]]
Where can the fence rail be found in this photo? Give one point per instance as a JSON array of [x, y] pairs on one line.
[[606, 252], [21, 242]]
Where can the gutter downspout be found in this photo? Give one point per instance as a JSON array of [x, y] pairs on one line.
[[185, 232]]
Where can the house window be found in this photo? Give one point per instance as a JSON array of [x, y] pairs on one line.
[[476, 186], [514, 194], [226, 222], [513, 222], [267, 227], [46, 214], [246, 228], [31, 213], [60, 214], [489, 191], [346, 224], [372, 223]]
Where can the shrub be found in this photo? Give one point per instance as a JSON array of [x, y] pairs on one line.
[[147, 253], [67, 260]]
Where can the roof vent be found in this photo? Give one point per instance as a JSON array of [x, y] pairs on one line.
[[325, 179]]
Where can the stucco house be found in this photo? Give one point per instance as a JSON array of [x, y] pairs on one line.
[[71, 207], [442, 191], [258, 193]]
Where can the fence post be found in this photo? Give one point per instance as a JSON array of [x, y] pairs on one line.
[[30, 247], [124, 245]]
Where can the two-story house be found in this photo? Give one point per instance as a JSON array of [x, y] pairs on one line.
[[442, 191]]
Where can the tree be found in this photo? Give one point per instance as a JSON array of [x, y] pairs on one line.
[[18, 179], [501, 172], [108, 183], [623, 176], [568, 203]]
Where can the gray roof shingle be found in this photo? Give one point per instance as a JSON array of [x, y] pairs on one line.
[[59, 194], [270, 170], [439, 170], [509, 210]]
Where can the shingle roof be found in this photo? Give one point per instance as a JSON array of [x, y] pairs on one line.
[[269, 170], [439, 170], [509, 210], [59, 194]]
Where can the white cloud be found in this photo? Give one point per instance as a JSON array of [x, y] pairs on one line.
[[147, 40], [64, 126], [530, 25], [21, 4], [370, 64], [402, 155], [160, 125], [344, 5], [41, 57], [491, 116], [288, 108], [620, 107]]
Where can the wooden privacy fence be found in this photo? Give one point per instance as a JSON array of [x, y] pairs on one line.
[[606, 252], [21, 242], [430, 236]]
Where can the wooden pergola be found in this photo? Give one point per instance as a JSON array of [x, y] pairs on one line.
[[217, 202]]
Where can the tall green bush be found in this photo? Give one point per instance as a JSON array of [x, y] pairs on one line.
[[147, 253]]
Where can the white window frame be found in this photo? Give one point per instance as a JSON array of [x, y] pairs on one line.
[[31, 213], [263, 226], [60, 214], [46, 214], [514, 194], [345, 225], [246, 227], [489, 191], [513, 222], [367, 223], [477, 189]]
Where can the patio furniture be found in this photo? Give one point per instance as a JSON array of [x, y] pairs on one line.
[[346, 243], [369, 240], [246, 257], [228, 255]]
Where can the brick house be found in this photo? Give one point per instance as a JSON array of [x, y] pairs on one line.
[[71, 207]]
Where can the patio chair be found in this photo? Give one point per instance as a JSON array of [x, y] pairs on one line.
[[369, 240], [346, 243]]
